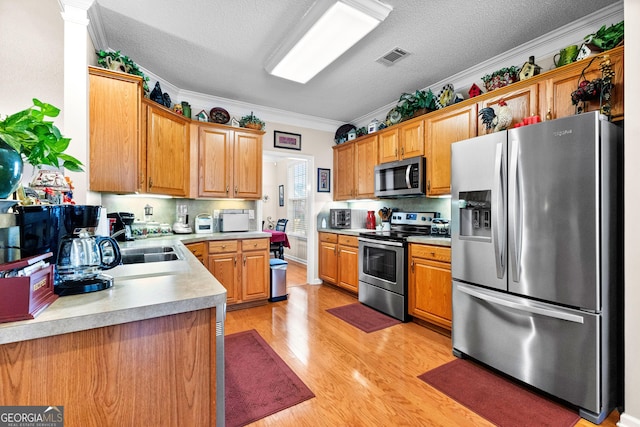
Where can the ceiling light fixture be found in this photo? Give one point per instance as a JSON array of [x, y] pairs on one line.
[[326, 31]]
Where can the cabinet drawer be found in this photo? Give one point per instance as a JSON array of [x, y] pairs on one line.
[[348, 240], [328, 237], [223, 246], [255, 244], [436, 253]]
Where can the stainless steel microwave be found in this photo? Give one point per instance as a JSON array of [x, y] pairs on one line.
[[403, 178]]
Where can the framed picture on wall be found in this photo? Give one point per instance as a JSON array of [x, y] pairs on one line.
[[281, 195], [324, 180], [292, 141]]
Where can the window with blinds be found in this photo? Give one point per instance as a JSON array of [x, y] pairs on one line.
[[297, 198]]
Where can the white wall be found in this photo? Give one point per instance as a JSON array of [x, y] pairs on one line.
[[631, 415], [31, 54]]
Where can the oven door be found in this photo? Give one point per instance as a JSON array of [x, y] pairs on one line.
[[382, 264]]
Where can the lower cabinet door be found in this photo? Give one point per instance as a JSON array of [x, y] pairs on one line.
[[255, 275], [224, 267]]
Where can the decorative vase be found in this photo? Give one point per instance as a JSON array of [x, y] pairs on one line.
[[10, 169], [256, 126]]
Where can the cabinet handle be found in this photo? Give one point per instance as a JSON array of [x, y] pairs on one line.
[[335, 251], [432, 253], [244, 260], [235, 260], [141, 179], [428, 185], [236, 188], [150, 182], [395, 153], [227, 189], [402, 151], [412, 264]]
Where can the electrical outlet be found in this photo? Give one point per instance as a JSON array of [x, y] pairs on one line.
[[216, 213], [252, 214]]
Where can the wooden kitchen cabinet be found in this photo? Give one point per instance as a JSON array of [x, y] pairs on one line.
[[430, 284], [354, 164], [343, 168], [328, 257], [199, 250], [223, 264], [555, 91], [522, 103], [348, 262], [403, 141], [443, 129], [117, 161], [168, 155], [229, 162], [338, 260], [242, 267]]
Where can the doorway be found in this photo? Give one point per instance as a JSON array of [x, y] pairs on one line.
[[276, 181]]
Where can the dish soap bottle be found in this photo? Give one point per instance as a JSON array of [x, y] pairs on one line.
[[324, 223]]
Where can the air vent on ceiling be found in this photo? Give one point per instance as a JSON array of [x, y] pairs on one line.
[[393, 56]]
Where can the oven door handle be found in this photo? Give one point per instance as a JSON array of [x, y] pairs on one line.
[[378, 244]]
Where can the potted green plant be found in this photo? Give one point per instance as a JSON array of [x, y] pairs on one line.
[[413, 104], [252, 122], [117, 61], [28, 136]]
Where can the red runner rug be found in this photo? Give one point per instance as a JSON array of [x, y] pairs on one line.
[[363, 317], [258, 382], [496, 398]]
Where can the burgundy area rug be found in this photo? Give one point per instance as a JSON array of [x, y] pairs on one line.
[[363, 317], [258, 382], [496, 398]]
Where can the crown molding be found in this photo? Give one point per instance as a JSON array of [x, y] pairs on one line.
[[96, 29], [543, 48]]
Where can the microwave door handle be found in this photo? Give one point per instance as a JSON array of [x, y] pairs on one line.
[[406, 177]]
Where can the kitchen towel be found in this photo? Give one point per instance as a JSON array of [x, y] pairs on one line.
[[258, 382], [363, 317], [496, 398]]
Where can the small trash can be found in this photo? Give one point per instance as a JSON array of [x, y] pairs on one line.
[[278, 279]]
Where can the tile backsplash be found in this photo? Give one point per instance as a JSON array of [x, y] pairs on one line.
[[164, 209]]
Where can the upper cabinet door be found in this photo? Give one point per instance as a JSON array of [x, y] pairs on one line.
[[411, 139], [247, 161], [555, 91], [215, 158], [443, 129], [388, 143], [522, 103], [115, 132], [167, 151], [343, 168], [366, 159]]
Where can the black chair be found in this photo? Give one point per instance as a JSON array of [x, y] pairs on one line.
[[278, 247]]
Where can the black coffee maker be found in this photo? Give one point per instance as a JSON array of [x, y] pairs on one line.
[[122, 226], [82, 256]]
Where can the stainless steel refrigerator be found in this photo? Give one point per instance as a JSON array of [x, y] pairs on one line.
[[536, 247]]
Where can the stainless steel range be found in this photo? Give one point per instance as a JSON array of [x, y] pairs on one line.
[[382, 262]]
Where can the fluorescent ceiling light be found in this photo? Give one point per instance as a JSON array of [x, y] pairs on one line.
[[328, 30]]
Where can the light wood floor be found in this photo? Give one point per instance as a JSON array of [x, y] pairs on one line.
[[359, 379]]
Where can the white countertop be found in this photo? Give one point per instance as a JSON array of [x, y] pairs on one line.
[[186, 286]]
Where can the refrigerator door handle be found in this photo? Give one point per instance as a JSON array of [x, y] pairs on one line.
[[521, 307], [515, 213], [407, 176], [497, 216]]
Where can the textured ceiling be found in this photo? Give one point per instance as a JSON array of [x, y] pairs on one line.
[[219, 48]]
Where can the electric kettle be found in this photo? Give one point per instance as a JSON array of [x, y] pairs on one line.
[[81, 258]]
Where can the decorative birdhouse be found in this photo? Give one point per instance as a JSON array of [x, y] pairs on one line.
[[529, 69], [474, 91], [351, 135], [202, 116]]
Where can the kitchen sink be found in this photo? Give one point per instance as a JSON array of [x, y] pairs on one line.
[[150, 254], [150, 261]]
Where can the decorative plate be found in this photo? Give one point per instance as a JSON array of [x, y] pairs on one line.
[[219, 115], [394, 116], [445, 96]]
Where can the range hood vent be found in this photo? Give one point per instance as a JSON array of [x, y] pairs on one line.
[[392, 56]]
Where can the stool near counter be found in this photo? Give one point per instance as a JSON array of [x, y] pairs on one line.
[[278, 279]]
